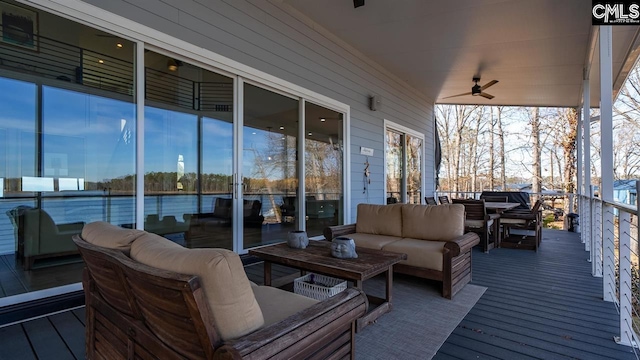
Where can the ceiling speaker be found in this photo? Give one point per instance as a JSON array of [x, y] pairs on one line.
[[374, 102]]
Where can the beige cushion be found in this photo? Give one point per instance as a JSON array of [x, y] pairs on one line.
[[277, 304], [379, 219], [477, 223], [234, 309], [512, 221], [370, 241], [442, 223], [420, 253], [110, 236]]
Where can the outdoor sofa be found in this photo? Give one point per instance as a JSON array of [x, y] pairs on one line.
[[147, 297], [432, 237]]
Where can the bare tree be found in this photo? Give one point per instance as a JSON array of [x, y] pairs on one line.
[[492, 153], [501, 154], [626, 129], [534, 121]]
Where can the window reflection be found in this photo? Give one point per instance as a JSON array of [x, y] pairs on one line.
[[188, 153], [414, 169], [323, 168], [269, 167], [394, 162], [403, 160], [67, 131]]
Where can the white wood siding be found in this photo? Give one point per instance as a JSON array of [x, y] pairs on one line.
[[271, 38]]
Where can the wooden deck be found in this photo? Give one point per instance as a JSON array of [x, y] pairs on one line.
[[538, 305]]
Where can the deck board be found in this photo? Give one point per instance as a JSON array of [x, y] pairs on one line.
[[69, 326], [15, 344], [537, 305], [46, 341]]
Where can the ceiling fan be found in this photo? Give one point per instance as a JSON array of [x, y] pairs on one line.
[[477, 90]]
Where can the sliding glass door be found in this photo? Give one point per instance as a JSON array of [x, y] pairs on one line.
[[323, 168], [404, 162]]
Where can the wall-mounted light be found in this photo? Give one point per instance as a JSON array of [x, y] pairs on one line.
[[173, 64], [101, 61], [323, 119], [119, 45], [281, 127], [310, 133]]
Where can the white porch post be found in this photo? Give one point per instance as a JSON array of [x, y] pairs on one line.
[[587, 218], [579, 191], [606, 161]]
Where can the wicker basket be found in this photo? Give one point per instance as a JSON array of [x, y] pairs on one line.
[[318, 290]]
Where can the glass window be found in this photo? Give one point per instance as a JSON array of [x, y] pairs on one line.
[[394, 159], [67, 147], [414, 169], [403, 155], [269, 168], [188, 153]]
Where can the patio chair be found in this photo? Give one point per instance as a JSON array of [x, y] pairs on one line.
[[493, 198], [528, 223], [477, 220], [444, 199], [430, 200]]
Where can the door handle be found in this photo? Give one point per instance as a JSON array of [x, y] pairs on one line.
[[234, 184]]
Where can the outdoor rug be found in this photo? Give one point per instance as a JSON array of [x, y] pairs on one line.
[[419, 323]]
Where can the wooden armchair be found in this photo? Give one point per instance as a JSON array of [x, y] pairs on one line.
[[477, 220], [134, 311], [430, 200], [526, 221]]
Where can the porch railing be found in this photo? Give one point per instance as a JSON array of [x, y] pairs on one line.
[[610, 235]]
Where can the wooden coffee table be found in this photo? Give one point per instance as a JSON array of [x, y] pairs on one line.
[[317, 258]]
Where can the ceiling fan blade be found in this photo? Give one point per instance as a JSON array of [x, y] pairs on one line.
[[488, 96], [490, 83], [456, 95]]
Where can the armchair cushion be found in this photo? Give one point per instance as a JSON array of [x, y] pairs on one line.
[[277, 304], [110, 236], [234, 308], [478, 223]]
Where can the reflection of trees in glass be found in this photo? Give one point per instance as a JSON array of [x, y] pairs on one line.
[[273, 168], [323, 169], [158, 182], [414, 166], [394, 164]]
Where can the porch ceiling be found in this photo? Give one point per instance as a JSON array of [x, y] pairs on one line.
[[537, 50]]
